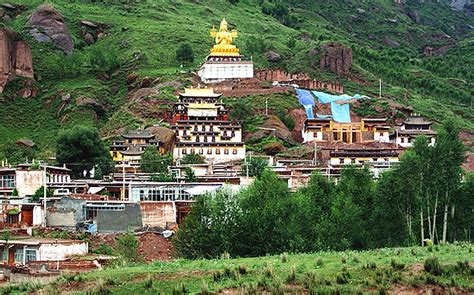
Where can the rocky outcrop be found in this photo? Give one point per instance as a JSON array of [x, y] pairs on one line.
[[91, 32], [391, 43], [336, 58], [414, 16], [273, 148], [163, 134], [273, 56], [48, 25], [273, 126], [15, 58]]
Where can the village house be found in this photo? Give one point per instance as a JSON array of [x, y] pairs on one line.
[[224, 61], [128, 151], [412, 127], [29, 250], [202, 127]]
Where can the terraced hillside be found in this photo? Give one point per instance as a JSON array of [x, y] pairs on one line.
[[139, 39]]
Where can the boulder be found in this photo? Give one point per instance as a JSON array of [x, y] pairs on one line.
[[273, 126], [414, 16], [88, 24], [89, 38], [390, 43], [15, 58], [46, 24], [272, 56], [164, 135], [273, 148], [336, 58]]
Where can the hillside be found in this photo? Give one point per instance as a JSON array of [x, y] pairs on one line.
[[139, 39], [415, 270]]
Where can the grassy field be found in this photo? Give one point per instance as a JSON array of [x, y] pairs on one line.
[[449, 267]]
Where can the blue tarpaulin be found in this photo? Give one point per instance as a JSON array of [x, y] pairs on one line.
[[306, 99], [340, 111]]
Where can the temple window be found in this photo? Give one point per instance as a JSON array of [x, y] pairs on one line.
[[185, 151], [341, 160], [201, 151], [226, 151], [234, 151], [209, 151], [218, 151]]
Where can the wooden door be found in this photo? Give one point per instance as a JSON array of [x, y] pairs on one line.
[[27, 216], [11, 254]]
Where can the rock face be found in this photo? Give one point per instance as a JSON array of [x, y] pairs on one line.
[[273, 56], [336, 58], [273, 148], [273, 126], [15, 58], [46, 25], [414, 16], [163, 134], [391, 43]]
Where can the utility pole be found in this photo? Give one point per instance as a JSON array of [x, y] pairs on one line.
[[315, 154], [266, 106], [380, 88], [44, 194], [123, 180]]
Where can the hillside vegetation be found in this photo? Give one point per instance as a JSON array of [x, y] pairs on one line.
[[438, 269], [141, 37]]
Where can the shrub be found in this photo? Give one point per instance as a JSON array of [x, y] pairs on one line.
[[342, 278], [355, 259], [284, 257], [180, 289], [319, 263], [343, 260], [291, 278], [127, 245], [185, 54], [433, 266], [242, 269], [396, 266]]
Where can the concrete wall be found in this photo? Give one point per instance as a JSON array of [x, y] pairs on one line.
[[55, 252], [38, 215], [119, 221], [63, 217], [217, 72], [158, 213], [27, 182]]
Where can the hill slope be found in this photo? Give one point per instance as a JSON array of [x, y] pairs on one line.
[[142, 37]]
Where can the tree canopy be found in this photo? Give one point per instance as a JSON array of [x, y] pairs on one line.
[[80, 149]]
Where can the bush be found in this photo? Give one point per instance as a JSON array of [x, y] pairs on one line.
[[284, 257], [397, 266], [185, 54], [433, 266], [127, 245], [291, 276]]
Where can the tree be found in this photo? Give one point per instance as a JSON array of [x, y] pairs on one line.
[[39, 194], [193, 159], [185, 54], [16, 154], [153, 162], [80, 149], [189, 175], [98, 173], [254, 166]]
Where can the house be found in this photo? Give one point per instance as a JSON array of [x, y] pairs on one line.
[[27, 250], [202, 127], [412, 127], [25, 179], [132, 146]]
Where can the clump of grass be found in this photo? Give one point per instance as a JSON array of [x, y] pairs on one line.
[[112, 281], [355, 260], [413, 251], [344, 268], [291, 278], [284, 257], [433, 266], [370, 265], [242, 269], [180, 289], [204, 288], [430, 248], [436, 248], [342, 278], [397, 265], [309, 280], [319, 263], [277, 287], [269, 272], [225, 255], [148, 283], [227, 273], [462, 267], [343, 260]]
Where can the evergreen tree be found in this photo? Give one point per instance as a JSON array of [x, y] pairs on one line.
[[193, 159], [98, 173], [185, 54], [153, 162], [80, 149], [189, 175]]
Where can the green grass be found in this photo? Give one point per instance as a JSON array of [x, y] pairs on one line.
[[347, 272]]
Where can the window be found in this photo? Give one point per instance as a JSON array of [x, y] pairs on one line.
[[19, 255], [201, 151], [185, 151], [30, 255], [213, 138], [5, 253], [218, 151], [226, 151], [334, 135], [341, 160], [234, 151], [197, 138], [209, 151], [7, 181]]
